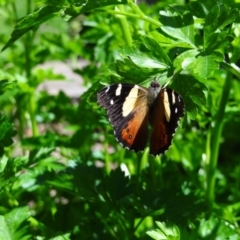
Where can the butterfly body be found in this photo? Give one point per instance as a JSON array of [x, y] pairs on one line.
[[131, 108]]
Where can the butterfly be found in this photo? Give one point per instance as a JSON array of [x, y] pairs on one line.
[[132, 108]]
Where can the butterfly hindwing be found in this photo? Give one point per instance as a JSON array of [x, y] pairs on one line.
[[127, 110], [167, 109]]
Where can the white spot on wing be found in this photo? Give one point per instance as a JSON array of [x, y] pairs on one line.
[[166, 106], [176, 110], [111, 102], [173, 97], [107, 89], [118, 90], [130, 101]]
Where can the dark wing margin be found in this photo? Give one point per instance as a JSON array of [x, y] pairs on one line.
[[167, 110]]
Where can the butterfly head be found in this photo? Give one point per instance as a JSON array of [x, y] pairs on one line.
[[153, 91]]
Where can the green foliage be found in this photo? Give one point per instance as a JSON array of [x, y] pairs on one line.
[[6, 134], [6, 128], [165, 232], [62, 173]]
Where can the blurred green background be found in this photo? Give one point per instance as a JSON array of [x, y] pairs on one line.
[[63, 175]]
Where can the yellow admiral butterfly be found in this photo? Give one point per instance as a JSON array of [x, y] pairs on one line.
[[131, 107]]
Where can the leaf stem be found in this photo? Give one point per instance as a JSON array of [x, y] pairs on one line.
[[215, 141], [234, 69], [27, 46], [124, 26], [145, 18], [136, 9], [32, 111]]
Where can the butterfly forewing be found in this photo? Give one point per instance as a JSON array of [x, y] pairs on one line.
[[113, 102], [167, 109], [127, 109]]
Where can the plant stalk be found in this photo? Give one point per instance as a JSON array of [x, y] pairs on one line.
[[28, 66], [215, 141], [124, 27]]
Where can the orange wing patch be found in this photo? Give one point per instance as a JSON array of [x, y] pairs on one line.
[[132, 131], [134, 135]]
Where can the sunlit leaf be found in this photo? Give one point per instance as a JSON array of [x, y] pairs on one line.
[[179, 27], [13, 220]]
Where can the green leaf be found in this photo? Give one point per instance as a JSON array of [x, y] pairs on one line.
[[62, 181], [167, 41], [213, 227], [198, 63], [178, 26], [118, 185], [16, 224], [216, 41], [183, 60], [161, 38], [6, 85], [37, 155], [4, 233], [148, 54], [219, 17], [6, 134], [197, 9], [141, 59], [144, 59], [86, 178], [197, 95], [9, 168], [165, 232], [169, 229], [133, 73], [156, 50], [204, 66], [31, 22]]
